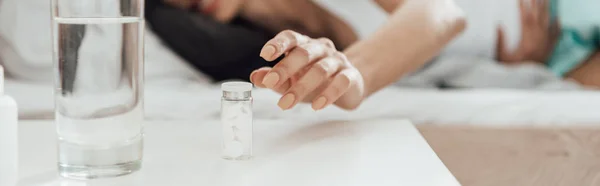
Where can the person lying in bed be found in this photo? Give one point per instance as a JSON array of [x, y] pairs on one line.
[[315, 70], [567, 43], [319, 74]]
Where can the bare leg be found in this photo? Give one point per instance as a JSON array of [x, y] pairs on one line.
[[588, 74]]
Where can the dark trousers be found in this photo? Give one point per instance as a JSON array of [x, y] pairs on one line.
[[221, 51]]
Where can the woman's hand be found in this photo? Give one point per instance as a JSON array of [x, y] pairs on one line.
[[538, 34], [311, 71]]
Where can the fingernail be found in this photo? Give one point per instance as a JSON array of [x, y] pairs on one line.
[[256, 83], [268, 52], [252, 75], [319, 103], [271, 79], [287, 101]]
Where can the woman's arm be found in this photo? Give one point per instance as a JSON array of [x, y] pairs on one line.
[[416, 31], [314, 71]]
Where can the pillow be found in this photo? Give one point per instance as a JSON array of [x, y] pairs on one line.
[[25, 39]]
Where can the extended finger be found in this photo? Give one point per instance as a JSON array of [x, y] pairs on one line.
[[285, 86], [534, 11], [257, 76], [338, 87], [554, 34], [319, 73], [283, 42], [542, 11], [501, 53], [299, 58], [524, 12], [545, 13]]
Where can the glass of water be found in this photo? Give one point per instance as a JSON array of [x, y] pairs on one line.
[[98, 57]]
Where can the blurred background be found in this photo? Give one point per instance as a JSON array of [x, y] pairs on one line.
[[513, 65]]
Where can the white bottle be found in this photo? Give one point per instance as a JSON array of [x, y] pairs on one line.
[[236, 119], [8, 137]]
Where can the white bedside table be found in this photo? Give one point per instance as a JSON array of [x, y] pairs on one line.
[[181, 153]]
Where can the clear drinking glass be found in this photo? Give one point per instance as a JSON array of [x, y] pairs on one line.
[[98, 57]]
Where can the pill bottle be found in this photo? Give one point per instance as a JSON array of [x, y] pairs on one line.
[[236, 120]]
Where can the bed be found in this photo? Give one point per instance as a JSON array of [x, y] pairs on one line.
[[185, 99]]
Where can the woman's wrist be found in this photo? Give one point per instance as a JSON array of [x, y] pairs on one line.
[[359, 56], [412, 36]]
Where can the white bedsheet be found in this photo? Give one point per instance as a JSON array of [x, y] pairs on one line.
[[187, 99]]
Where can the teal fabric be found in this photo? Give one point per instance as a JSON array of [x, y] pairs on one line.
[[580, 33]]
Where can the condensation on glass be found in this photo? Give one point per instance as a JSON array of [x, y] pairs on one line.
[[236, 120], [98, 58]]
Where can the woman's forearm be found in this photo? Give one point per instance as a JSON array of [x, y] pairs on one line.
[[416, 32]]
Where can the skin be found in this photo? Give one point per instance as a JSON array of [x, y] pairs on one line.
[[588, 74], [314, 71], [539, 37]]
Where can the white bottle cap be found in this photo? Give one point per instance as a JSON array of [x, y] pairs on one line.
[[1, 80], [236, 86]]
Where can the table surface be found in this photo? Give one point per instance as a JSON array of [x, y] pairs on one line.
[[374, 152]]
